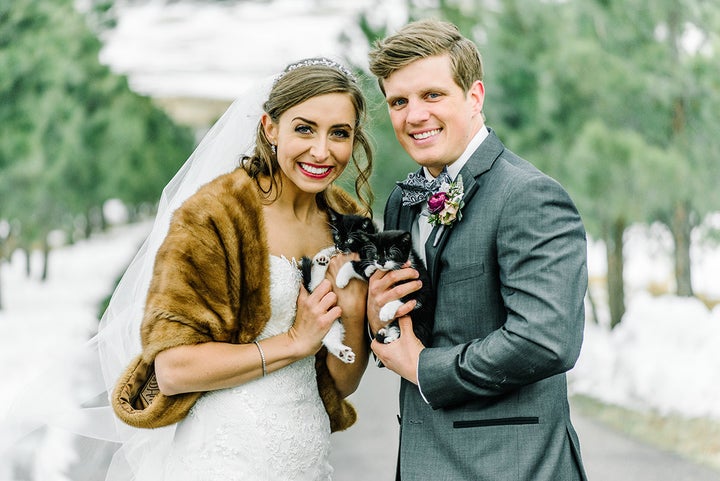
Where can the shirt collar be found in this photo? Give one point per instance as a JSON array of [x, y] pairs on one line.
[[455, 168]]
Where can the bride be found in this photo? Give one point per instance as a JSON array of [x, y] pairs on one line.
[[230, 366]]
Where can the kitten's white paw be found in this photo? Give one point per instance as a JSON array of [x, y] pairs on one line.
[[333, 340], [342, 352], [346, 272], [389, 334], [346, 355], [370, 270], [387, 312]]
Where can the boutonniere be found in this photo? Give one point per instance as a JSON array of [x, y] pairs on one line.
[[444, 206]]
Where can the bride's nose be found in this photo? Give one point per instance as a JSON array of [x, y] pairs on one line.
[[320, 149]]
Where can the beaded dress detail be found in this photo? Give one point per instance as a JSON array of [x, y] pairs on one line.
[[270, 429]]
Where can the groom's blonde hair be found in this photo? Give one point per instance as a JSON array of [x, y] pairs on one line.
[[422, 39]]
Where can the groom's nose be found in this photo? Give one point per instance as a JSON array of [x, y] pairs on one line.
[[417, 111]]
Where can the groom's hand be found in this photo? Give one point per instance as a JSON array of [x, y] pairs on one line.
[[386, 286], [401, 356]]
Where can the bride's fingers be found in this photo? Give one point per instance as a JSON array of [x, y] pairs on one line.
[[319, 307]]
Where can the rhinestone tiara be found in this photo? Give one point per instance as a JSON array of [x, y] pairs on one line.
[[308, 62]]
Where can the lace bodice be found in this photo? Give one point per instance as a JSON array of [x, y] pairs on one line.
[[271, 429]]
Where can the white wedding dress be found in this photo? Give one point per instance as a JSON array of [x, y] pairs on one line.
[[271, 429]]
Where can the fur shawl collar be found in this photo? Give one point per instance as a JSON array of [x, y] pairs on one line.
[[211, 282]]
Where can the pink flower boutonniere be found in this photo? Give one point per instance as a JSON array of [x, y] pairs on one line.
[[444, 206]]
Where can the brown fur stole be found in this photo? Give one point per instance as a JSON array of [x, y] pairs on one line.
[[211, 282]]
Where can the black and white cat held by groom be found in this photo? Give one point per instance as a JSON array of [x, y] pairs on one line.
[[486, 397]]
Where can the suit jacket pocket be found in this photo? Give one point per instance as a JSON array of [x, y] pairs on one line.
[[482, 423], [467, 272]]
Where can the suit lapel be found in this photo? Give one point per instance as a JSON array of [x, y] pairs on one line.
[[480, 162], [408, 214]]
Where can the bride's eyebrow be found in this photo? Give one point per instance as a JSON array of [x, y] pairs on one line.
[[315, 124], [305, 121]]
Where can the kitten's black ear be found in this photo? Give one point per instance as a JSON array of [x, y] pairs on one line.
[[369, 226], [366, 237], [406, 237]]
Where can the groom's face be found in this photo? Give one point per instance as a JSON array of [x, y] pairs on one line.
[[433, 119]]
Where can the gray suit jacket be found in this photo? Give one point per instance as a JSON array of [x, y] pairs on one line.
[[510, 280]]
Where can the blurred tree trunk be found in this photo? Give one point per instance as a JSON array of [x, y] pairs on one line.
[[593, 306], [28, 261], [680, 210], [616, 285], [3, 254], [46, 260], [681, 229], [87, 231]]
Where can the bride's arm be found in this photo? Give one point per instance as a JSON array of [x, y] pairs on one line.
[[218, 365]]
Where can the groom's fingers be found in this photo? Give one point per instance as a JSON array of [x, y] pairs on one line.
[[405, 323], [401, 356], [386, 279], [398, 284], [405, 309]]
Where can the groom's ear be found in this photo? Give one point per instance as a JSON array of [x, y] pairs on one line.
[[476, 94]]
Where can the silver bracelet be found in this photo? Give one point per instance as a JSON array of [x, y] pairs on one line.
[[262, 357]]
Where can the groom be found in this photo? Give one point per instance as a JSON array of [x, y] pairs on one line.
[[487, 398]]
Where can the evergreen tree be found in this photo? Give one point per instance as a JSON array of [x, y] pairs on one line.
[[73, 134]]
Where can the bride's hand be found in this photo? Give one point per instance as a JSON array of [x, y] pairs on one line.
[[315, 314]]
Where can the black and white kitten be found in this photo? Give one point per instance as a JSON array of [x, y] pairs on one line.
[[386, 251], [313, 272], [348, 233]]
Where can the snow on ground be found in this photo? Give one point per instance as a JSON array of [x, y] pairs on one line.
[[44, 324], [43, 321], [664, 354]]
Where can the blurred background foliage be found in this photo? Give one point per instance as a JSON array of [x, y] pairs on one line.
[[72, 135], [617, 100]]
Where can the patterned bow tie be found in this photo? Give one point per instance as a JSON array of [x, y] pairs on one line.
[[416, 188]]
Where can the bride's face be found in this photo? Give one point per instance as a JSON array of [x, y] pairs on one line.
[[314, 140]]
